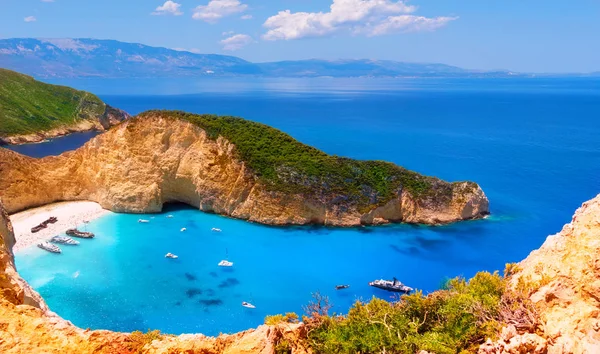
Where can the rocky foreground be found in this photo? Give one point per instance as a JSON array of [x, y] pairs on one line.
[[154, 159]]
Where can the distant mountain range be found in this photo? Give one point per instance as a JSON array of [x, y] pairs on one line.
[[73, 58]]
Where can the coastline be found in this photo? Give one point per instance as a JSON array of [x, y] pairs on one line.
[[69, 214]]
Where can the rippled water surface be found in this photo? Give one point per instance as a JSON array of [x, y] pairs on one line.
[[531, 144]]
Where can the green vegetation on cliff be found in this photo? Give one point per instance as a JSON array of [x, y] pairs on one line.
[[286, 165], [456, 319], [28, 106]]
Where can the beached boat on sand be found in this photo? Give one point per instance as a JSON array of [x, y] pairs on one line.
[[49, 247], [64, 240], [389, 285], [80, 234]]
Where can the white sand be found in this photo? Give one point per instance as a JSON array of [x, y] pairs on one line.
[[69, 214]]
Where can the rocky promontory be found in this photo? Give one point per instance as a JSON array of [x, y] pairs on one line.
[[232, 167], [32, 111]]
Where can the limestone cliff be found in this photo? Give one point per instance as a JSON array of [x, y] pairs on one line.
[[154, 159], [563, 277]]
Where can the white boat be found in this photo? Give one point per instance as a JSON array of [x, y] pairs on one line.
[[65, 240], [143, 221], [49, 247], [171, 255], [225, 263], [183, 229], [169, 216], [248, 305], [391, 285], [214, 229]]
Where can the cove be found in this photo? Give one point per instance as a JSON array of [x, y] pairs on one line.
[[531, 144]]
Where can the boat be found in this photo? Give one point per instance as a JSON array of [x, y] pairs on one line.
[[38, 228], [52, 220], [391, 285], [340, 287], [80, 234], [183, 229], [214, 229], [171, 255], [65, 240], [49, 247], [169, 216], [248, 305], [225, 263], [143, 221]]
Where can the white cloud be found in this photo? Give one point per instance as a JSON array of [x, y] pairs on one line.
[[236, 42], [246, 17], [217, 9], [168, 8], [369, 17], [227, 33], [407, 23], [30, 19]]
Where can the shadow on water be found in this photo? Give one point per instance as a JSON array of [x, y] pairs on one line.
[[210, 302], [229, 283], [191, 292], [190, 277]]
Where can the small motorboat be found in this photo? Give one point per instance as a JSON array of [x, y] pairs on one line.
[[183, 229], [340, 287], [80, 234], [225, 263], [171, 255], [143, 221], [391, 285], [214, 229], [248, 305], [65, 240], [169, 216], [49, 247]]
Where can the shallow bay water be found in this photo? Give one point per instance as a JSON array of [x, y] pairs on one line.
[[530, 143]]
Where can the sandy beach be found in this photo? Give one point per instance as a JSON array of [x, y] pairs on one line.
[[69, 214]]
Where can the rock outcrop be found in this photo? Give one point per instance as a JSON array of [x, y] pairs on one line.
[[148, 161], [101, 122], [563, 277]]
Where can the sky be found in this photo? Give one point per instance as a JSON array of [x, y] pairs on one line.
[[519, 35]]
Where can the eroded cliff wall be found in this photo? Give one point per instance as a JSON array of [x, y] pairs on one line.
[[141, 164]]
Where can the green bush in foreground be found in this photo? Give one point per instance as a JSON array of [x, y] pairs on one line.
[[456, 319]]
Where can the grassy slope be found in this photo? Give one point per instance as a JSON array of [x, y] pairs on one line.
[[286, 165], [28, 106]]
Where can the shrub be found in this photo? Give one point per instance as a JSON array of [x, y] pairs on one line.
[[452, 320], [290, 317], [139, 339]]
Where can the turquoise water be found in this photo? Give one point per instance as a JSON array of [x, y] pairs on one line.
[[531, 144]]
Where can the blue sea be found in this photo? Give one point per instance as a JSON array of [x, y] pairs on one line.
[[532, 144]]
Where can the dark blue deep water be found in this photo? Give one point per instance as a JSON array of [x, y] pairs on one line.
[[532, 144]]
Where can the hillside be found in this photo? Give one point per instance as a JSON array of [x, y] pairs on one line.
[[233, 167], [75, 58], [31, 110]]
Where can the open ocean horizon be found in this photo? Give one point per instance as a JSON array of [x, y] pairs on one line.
[[531, 144]]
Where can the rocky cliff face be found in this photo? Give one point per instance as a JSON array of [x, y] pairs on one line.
[[564, 281], [144, 163]]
